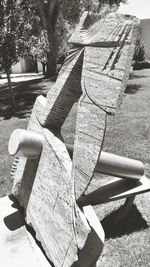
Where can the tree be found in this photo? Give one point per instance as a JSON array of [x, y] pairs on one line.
[[57, 14], [14, 29], [20, 35], [33, 40], [48, 12], [139, 54], [9, 19], [40, 49]]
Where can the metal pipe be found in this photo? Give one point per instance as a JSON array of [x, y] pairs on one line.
[[119, 166], [114, 165], [29, 144], [25, 143]]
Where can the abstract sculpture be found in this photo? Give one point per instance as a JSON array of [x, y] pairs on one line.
[[50, 186]]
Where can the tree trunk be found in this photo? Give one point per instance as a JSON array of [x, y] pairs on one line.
[[11, 90], [36, 66], [49, 13], [51, 65], [44, 68]]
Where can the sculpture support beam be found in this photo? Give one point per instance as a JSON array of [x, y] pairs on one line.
[[30, 144], [115, 165]]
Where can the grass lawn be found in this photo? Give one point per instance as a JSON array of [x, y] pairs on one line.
[[128, 134]]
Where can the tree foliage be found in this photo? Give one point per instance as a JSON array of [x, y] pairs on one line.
[[140, 61], [9, 17], [139, 54], [40, 47], [20, 35], [9, 22]]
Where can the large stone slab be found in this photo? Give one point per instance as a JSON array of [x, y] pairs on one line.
[[102, 31]]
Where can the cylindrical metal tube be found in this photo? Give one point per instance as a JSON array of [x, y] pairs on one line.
[[25, 143], [114, 165], [119, 166]]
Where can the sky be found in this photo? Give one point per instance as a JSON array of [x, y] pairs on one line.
[[139, 8]]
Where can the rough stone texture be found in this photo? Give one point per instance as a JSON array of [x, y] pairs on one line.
[[90, 128], [25, 169], [65, 92], [101, 89], [104, 76], [102, 31], [38, 190], [95, 72], [46, 191], [51, 206]]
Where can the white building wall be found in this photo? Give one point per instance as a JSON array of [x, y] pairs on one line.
[[40, 68], [16, 68], [23, 66]]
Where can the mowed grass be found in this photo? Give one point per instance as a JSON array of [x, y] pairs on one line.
[[128, 134]]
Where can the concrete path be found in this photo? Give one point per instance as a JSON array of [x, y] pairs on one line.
[[21, 77]]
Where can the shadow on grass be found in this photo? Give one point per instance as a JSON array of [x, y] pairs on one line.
[[132, 88], [131, 223], [25, 94], [135, 76]]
